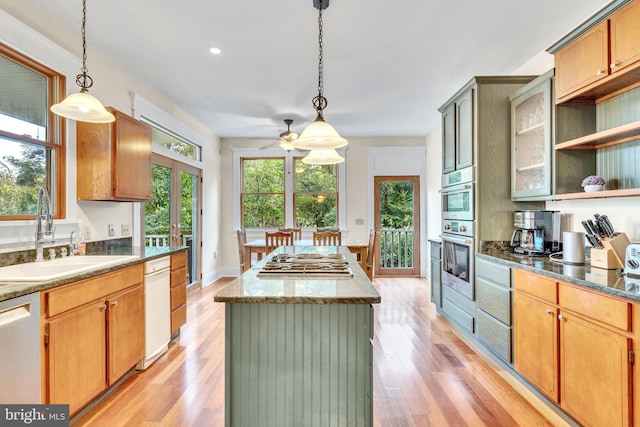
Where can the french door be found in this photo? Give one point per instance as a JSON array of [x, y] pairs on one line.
[[397, 216], [172, 217]]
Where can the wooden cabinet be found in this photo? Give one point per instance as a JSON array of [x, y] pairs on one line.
[[575, 345], [178, 291], [114, 160], [458, 133], [601, 60], [493, 298], [94, 334], [436, 265], [538, 171]]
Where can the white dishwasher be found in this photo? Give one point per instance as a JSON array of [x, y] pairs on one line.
[[157, 310], [20, 350]]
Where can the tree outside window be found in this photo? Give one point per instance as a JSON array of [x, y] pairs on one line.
[[263, 193], [316, 195]]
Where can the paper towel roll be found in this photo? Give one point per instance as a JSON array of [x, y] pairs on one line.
[[573, 247]]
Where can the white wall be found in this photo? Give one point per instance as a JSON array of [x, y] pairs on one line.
[[28, 30]]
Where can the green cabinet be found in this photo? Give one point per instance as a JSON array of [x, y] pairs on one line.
[[436, 263], [494, 300], [538, 171], [458, 132]]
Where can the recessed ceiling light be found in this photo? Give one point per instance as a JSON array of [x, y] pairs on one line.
[[215, 50]]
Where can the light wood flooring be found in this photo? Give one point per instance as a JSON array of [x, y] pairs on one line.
[[424, 375]]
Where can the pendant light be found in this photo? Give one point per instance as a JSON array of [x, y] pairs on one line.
[[320, 135], [82, 106]]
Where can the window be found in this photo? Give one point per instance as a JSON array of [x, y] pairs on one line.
[[263, 193], [171, 142], [316, 195], [31, 137], [268, 199]]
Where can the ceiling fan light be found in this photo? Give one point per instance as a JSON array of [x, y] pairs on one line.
[[319, 135], [83, 107], [323, 157], [286, 145]]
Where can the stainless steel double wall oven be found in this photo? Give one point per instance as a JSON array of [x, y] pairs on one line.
[[458, 232]]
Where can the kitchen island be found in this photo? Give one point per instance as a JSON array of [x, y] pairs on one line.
[[298, 346]]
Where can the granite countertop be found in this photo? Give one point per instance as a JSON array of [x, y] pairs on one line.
[[608, 281], [297, 289], [10, 290]]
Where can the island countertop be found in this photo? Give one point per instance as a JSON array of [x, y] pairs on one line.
[[251, 287]]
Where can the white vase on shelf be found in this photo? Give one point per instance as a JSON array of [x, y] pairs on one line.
[[593, 187]]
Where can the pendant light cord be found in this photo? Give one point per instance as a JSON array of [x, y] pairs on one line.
[[83, 79], [320, 102]]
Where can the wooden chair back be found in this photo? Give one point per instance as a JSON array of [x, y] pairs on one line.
[[297, 232], [278, 238], [329, 238], [374, 236], [326, 229], [242, 239]]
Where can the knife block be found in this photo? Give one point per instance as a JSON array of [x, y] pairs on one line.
[[611, 256]]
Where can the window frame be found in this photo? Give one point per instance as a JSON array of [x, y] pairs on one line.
[[55, 131], [239, 153]]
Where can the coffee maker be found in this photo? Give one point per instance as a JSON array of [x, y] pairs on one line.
[[536, 232]]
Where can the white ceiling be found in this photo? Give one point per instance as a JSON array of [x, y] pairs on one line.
[[389, 64]]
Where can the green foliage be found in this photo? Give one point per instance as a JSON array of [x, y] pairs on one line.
[[396, 204], [263, 193], [21, 178], [156, 211]]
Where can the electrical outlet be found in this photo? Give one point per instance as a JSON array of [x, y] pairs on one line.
[[359, 221], [125, 229], [87, 233], [112, 230]]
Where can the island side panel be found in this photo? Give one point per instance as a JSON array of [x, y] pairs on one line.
[[298, 364]]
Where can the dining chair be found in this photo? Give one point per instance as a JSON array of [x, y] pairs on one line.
[[327, 229], [374, 236], [275, 239], [328, 238], [297, 232], [242, 239]]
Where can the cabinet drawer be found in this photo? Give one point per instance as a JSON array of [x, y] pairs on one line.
[[178, 318], [178, 296], [78, 293], [495, 335], [497, 273], [457, 315], [493, 299], [610, 311], [535, 285], [178, 277], [178, 260]]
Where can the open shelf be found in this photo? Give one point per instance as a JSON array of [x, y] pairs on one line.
[[531, 167], [605, 138], [599, 194], [530, 130]]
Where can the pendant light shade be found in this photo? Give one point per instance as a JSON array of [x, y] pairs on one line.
[[323, 157], [319, 135], [81, 106]]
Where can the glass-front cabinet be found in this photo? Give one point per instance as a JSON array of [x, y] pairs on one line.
[[531, 143]]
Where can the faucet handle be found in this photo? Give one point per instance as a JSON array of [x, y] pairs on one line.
[[52, 253]]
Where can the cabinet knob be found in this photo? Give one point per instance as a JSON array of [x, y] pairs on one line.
[[614, 64], [104, 307], [599, 72], [560, 317], [114, 303], [549, 311]]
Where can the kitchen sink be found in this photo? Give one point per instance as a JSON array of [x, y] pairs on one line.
[[60, 267]]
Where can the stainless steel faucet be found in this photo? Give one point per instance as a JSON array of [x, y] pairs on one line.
[[44, 224], [73, 247]]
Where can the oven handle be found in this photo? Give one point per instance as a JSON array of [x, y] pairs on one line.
[[456, 188], [461, 240]]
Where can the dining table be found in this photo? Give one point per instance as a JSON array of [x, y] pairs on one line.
[[258, 247]]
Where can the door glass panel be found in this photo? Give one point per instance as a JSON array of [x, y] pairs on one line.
[[189, 220], [396, 224], [157, 218]]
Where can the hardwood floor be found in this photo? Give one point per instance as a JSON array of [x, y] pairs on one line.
[[424, 375]]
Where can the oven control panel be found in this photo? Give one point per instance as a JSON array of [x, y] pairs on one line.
[[458, 227]]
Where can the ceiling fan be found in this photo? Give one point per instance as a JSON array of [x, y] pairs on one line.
[[286, 138]]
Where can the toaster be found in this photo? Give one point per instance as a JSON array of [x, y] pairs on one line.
[[632, 259]]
